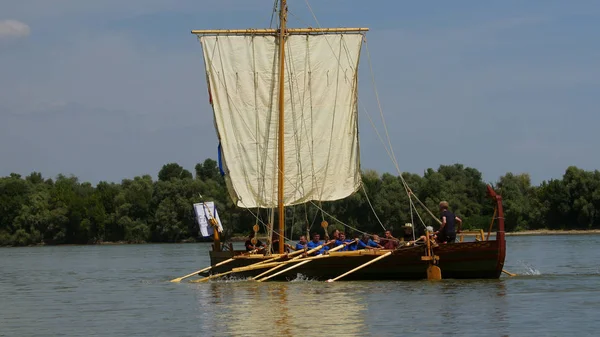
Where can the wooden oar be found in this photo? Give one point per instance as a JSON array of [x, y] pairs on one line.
[[509, 274], [253, 266], [283, 271], [211, 277], [234, 270], [258, 265], [303, 261], [267, 263], [177, 280], [274, 268], [433, 272], [280, 256], [361, 266], [300, 262], [202, 270], [283, 263]]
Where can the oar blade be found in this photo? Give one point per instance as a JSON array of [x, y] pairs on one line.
[[508, 273], [211, 277], [177, 280], [434, 273]]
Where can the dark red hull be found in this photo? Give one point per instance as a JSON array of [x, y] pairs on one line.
[[466, 260]]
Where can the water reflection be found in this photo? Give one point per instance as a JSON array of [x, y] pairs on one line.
[[288, 309], [283, 320], [297, 308]]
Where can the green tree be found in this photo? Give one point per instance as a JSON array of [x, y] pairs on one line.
[[13, 194], [173, 171], [521, 208], [208, 170]]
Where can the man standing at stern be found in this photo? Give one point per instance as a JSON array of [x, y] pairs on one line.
[[447, 231]]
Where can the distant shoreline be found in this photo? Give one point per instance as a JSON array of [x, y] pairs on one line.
[[554, 232], [537, 232]]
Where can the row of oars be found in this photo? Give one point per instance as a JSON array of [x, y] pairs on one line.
[[179, 279], [433, 271], [259, 265], [301, 260], [268, 263]]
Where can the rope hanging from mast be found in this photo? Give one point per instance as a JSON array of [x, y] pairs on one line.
[[273, 13], [391, 149]]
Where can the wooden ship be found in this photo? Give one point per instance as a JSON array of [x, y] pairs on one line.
[[285, 105]]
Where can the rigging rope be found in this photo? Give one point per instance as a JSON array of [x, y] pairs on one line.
[[261, 187], [338, 220], [412, 218], [307, 223], [390, 152], [273, 12], [419, 216], [349, 57], [332, 124], [298, 18], [406, 187], [313, 13], [372, 209], [265, 226], [293, 222], [289, 239]]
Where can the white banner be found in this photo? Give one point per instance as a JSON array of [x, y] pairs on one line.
[[204, 212]]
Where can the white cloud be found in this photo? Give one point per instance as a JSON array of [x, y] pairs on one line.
[[10, 29]]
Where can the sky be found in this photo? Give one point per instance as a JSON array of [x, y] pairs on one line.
[[107, 90]]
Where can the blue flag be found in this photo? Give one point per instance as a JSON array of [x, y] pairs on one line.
[[219, 149]]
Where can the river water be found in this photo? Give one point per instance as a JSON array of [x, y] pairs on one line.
[[124, 291]]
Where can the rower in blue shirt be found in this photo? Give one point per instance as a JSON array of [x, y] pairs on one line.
[[343, 241], [366, 243], [301, 243], [353, 245], [316, 242]]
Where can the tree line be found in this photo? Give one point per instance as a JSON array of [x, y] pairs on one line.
[[38, 210]]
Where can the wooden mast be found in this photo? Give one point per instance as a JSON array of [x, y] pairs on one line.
[[281, 164]]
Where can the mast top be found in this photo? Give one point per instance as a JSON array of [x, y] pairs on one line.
[[272, 31]]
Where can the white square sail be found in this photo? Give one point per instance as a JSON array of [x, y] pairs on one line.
[[321, 115]]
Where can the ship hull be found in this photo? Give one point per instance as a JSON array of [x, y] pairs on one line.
[[466, 260]]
